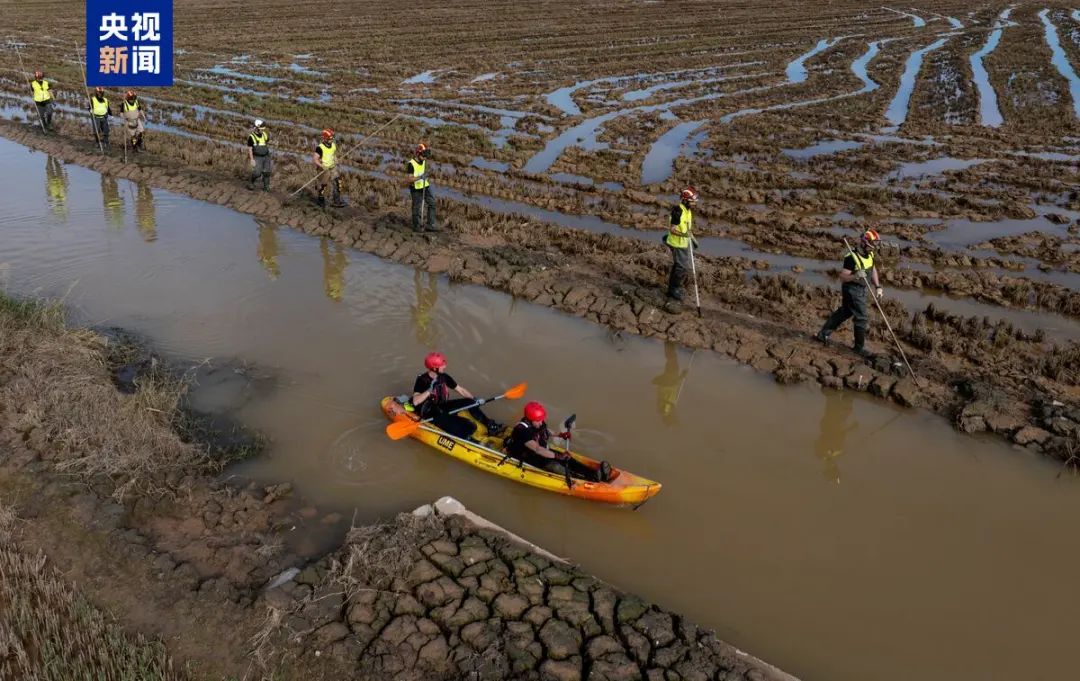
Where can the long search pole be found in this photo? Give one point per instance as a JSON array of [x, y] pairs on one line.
[[30, 82], [877, 303], [344, 154], [90, 100]]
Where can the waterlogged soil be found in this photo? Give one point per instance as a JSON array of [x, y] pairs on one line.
[[981, 374], [420, 598]]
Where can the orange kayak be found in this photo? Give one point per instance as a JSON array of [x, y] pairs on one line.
[[624, 488]]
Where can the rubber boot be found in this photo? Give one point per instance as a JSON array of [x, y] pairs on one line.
[[266, 183], [251, 182], [860, 344], [335, 195], [823, 335]]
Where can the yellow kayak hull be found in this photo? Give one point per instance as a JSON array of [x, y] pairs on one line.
[[624, 488]]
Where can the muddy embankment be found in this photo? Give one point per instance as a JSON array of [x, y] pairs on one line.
[[982, 375], [116, 529]]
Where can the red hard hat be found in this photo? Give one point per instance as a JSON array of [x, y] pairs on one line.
[[99, 89], [689, 194], [871, 236], [328, 133], [435, 360], [421, 149], [130, 94], [534, 411], [39, 75]]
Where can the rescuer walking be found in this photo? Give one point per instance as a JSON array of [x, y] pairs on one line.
[[134, 116], [678, 241], [99, 109], [857, 273], [258, 150], [423, 201], [43, 100], [326, 158]]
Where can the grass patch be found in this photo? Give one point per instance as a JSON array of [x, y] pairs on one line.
[[50, 632]]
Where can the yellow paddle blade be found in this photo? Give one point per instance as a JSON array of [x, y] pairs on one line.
[[516, 392], [401, 429]]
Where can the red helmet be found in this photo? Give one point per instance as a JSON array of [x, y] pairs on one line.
[[870, 238], [130, 94], [534, 411], [39, 75], [99, 90], [422, 149], [689, 194], [435, 360], [328, 134]]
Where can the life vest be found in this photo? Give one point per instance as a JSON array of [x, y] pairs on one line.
[[540, 437], [41, 90], [100, 106], [329, 154], [418, 169], [259, 140], [681, 240]]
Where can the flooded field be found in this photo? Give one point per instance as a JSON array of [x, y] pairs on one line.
[[855, 541]]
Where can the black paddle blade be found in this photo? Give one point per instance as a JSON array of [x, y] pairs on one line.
[[568, 424]]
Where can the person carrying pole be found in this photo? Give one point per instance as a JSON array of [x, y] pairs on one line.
[[43, 100], [326, 158], [134, 116], [678, 241], [99, 109], [857, 273], [258, 151], [420, 190]]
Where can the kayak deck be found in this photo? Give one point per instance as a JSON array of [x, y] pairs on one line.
[[623, 488]]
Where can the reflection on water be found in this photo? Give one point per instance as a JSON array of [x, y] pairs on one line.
[[56, 187], [112, 202], [669, 385], [427, 296], [334, 262], [145, 213], [836, 423], [268, 249]]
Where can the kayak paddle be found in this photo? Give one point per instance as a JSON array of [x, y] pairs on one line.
[[402, 429]]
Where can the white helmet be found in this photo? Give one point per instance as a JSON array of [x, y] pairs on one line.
[[259, 123]]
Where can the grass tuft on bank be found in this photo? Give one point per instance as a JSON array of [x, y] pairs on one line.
[[57, 391]]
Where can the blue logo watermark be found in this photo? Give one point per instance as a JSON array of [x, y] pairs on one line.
[[129, 43]]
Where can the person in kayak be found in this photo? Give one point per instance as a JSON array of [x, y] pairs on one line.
[[528, 442], [431, 399]]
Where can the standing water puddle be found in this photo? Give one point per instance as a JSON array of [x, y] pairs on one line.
[[989, 113], [1061, 60], [658, 163], [778, 526], [897, 112]]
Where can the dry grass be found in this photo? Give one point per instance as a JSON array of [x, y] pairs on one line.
[[50, 632], [56, 381], [374, 555]]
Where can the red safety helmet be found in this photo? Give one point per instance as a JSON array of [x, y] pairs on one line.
[[689, 194], [870, 237], [130, 94], [422, 149], [39, 75], [328, 134], [534, 411], [435, 360], [99, 90]]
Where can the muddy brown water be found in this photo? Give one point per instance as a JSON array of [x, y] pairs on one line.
[[830, 534]]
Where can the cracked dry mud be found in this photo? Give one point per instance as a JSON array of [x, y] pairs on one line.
[[469, 603]]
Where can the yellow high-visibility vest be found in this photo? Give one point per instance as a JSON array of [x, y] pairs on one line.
[[418, 169], [328, 155], [101, 106], [131, 106], [41, 90], [682, 239]]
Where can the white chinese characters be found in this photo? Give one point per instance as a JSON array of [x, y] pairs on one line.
[[113, 25], [146, 26]]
